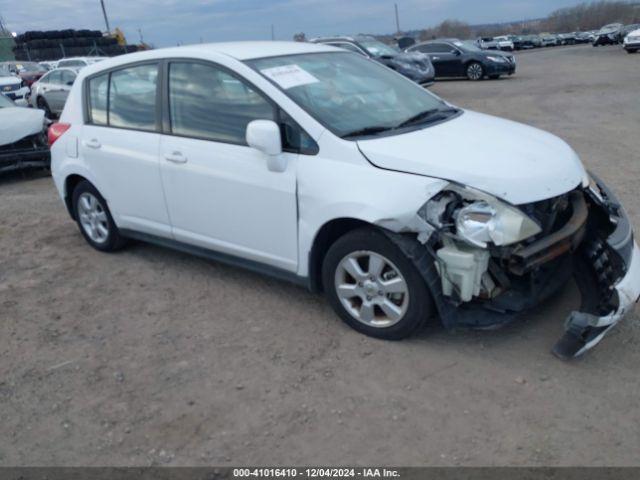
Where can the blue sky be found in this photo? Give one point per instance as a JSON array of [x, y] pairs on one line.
[[167, 22]]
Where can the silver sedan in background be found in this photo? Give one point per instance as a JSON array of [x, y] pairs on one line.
[[51, 91]]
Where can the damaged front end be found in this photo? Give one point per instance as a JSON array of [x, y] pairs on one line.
[[494, 261], [30, 151], [23, 138]]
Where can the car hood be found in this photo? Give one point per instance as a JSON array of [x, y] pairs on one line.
[[19, 122], [407, 60], [517, 163], [9, 80]]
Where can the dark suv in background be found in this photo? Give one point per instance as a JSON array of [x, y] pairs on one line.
[[454, 58], [414, 66]]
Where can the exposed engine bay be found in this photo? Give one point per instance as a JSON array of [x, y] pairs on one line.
[[493, 260]]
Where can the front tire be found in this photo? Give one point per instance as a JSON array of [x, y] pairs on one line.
[[374, 287], [475, 71], [94, 219]]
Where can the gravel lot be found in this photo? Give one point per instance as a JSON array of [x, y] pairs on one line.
[[154, 357]]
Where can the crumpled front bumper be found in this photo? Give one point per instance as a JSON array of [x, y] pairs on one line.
[[608, 275]]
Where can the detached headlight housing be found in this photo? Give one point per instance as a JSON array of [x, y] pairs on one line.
[[477, 218]]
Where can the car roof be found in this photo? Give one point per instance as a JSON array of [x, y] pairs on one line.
[[440, 40], [73, 69], [237, 50], [82, 58]]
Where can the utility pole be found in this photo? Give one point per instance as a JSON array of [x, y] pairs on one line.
[[104, 12], [397, 18], [4, 31]]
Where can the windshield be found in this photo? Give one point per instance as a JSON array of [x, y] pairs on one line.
[[5, 72], [376, 48], [348, 93], [5, 102]]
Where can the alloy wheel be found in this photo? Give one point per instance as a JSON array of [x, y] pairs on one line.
[[93, 218], [372, 289], [474, 71]]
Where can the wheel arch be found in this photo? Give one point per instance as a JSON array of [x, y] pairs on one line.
[[70, 183], [326, 236]]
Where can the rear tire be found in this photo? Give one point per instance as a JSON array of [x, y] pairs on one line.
[[94, 219], [43, 105], [374, 287], [475, 71]]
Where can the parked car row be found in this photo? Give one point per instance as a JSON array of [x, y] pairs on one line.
[[426, 61], [611, 34], [412, 65]]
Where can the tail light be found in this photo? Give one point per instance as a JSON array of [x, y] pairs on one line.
[[56, 130]]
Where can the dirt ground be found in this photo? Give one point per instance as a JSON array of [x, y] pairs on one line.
[[154, 357]]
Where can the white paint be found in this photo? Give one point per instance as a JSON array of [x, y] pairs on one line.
[[18, 122], [517, 163], [224, 197]]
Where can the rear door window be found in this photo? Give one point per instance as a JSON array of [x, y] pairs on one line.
[[68, 77], [54, 77]]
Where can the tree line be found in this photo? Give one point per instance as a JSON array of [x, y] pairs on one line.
[[582, 17]]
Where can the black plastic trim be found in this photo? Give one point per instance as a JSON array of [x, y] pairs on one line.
[[225, 258]]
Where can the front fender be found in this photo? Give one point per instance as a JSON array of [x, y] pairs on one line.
[[379, 197]]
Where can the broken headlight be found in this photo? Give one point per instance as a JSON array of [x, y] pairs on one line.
[[477, 218]]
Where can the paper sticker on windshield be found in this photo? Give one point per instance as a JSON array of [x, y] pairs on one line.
[[289, 76]]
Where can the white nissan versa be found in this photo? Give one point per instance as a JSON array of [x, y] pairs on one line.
[[323, 167]]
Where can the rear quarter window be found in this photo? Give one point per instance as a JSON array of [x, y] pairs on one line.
[[98, 96], [124, 98]]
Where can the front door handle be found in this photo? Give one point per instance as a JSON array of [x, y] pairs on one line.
[[93, 143], [175, 157]]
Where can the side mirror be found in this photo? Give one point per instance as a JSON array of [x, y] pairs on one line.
[[264, 135], [70, 83]]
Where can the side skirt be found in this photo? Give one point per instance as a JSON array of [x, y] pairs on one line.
[[227, 259]]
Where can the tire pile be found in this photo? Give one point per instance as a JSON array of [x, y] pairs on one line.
[[56, 44]]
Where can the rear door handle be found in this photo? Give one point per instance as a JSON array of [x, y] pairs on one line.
[[175, 157], [93, 143]]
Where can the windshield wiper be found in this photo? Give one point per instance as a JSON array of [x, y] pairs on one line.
[[366, 131], [432, 114]]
